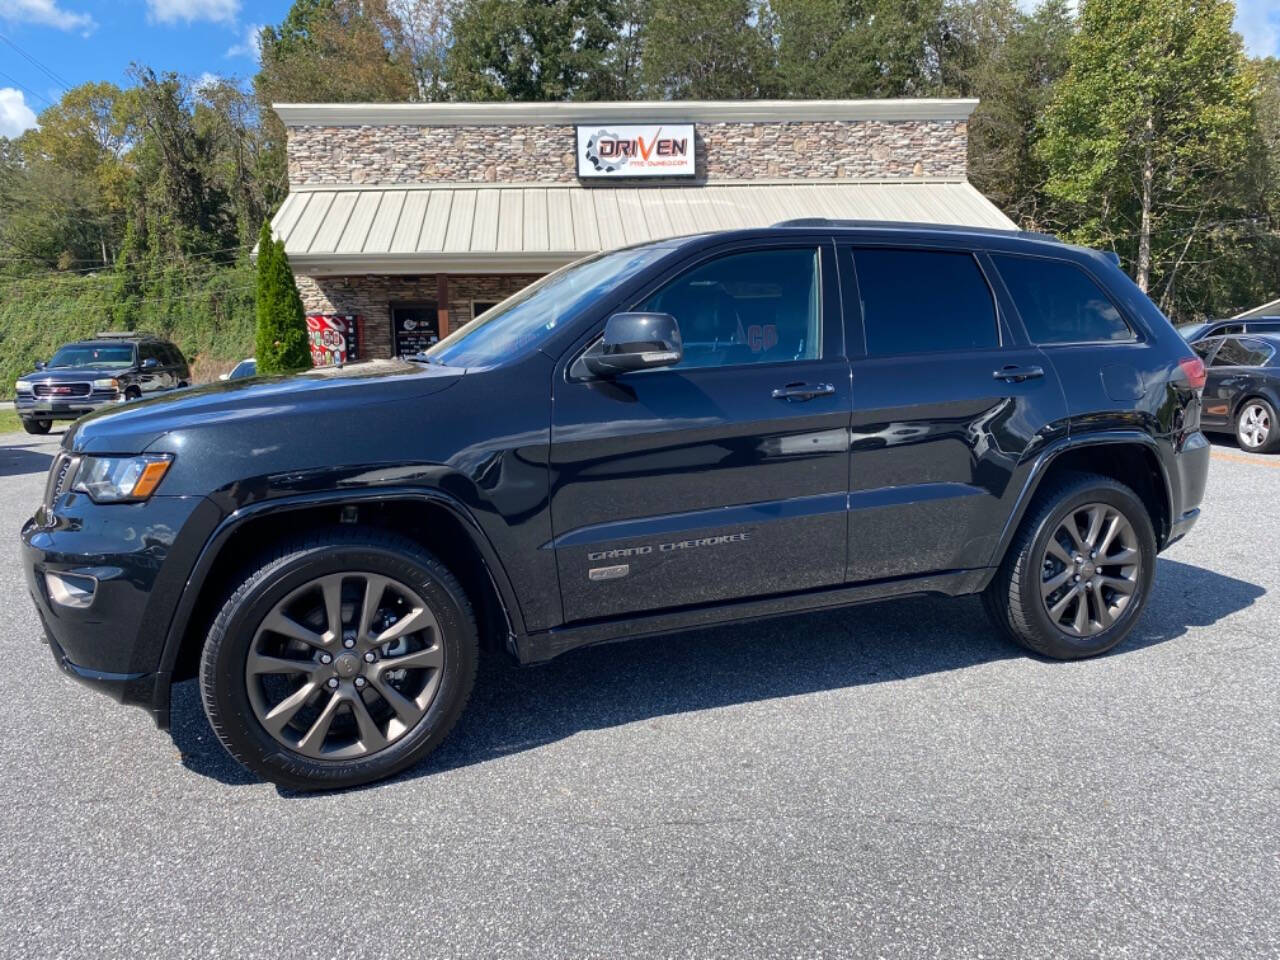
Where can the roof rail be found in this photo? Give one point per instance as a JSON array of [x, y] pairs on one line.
[[907, 225], [125, 335]]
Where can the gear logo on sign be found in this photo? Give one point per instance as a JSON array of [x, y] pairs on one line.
[[593, 153]]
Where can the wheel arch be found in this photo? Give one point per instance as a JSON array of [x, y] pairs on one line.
[[1263, 391], [430, 517], [1132, 458]]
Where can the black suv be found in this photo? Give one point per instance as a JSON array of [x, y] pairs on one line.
[[695, 431], [83, 376]]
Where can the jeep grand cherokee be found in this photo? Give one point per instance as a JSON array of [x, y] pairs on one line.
[[696, 431]]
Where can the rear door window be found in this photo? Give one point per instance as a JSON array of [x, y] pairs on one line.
[[921, 301], [1059, 302], [1242, 352]]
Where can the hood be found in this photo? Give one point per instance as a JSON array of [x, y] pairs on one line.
[[133, 427], [72, 374]]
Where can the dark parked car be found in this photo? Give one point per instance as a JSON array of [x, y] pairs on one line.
[[1192, 332], [1242, 391], [697, 431], [84, 376]]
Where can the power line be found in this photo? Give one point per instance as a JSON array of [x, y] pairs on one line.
[[47, 72], [26, 88]]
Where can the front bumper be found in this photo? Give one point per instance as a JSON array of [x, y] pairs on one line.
[[133, 559], [30, 407]]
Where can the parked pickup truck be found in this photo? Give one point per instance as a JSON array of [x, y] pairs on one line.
[[696, 431], [89, 374]]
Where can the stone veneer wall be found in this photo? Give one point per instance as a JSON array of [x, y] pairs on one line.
[[371, 297], [543, 153]]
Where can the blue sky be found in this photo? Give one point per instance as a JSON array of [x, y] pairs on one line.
[[81, 40]]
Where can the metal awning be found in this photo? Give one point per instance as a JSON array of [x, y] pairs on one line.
[[532, 228]]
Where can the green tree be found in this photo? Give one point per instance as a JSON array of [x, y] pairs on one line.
[[859, 48], [1017, 60], [707, 50], [1148, 137], [282, 345], [534, 50]]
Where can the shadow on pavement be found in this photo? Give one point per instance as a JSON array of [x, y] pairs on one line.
[[515, 709], [17, 459]]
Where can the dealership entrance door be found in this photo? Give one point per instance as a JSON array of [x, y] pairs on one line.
[[414, 327]]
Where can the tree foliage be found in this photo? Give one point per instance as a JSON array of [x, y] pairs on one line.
[[281, 335], [1148, 136]]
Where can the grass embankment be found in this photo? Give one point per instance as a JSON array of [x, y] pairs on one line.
[[207, 312]]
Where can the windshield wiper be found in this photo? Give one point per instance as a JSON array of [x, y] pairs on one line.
[[423, 358]]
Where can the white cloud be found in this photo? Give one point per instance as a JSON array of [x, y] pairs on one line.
[[206, 81], [1259, 23], [250, 46], [15, 115], [45, 13], [189, 11]]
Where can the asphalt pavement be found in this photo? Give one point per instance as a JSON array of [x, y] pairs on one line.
[[887, 781]]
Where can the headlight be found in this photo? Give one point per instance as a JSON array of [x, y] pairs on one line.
[[109, 383], [22, 387], [121, 479]]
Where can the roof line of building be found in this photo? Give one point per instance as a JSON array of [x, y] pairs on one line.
[[622, 184], [638, 111]]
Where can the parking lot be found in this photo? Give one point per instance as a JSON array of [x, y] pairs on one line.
[[887, 781]]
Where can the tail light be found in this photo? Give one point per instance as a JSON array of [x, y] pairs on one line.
[[1193, 369]]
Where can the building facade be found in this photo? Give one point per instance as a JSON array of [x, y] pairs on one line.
[[404, 221]]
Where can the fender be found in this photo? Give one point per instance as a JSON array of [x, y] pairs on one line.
[[233, 521], [1045, 459], [1265, 390]]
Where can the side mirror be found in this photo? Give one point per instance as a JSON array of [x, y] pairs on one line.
[[150, 363], [39, 364], [636, 341], [224, 376]]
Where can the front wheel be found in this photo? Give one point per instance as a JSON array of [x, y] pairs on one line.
[[340, 659], [1256, 426], [1077, 575], [38, 427]]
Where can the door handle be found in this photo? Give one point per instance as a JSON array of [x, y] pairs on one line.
[[803, 391], [1012, 374]]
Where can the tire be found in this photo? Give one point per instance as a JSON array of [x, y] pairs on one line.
[[1114, 594], [37, 427], [133, 393], [1256, 427], [240, 697]]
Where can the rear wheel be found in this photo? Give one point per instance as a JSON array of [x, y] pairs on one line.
[[1256, 426], [38, 427], [340, 659], [1078, 573]]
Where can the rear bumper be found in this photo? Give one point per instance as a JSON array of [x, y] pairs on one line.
[[1188, 475]]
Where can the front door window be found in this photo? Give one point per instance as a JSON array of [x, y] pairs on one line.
[[414, 328]]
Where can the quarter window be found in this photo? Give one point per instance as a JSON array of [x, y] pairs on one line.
[[918, 301], [1059, 303], [758, 307]]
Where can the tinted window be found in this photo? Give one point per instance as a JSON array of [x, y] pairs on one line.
[[105, 356], [1205, 348], [758, 307], [536, 312], [915, 301], [1242, 353], [1059, 302]]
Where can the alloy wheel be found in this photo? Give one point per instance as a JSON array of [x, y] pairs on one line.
[[344, 665], [1255, 425], [1090, 569]]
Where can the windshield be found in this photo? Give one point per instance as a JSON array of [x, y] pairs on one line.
[[522, 322], [105, 357]]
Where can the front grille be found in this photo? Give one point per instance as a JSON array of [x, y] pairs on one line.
[[61, 473], [61, 389]]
